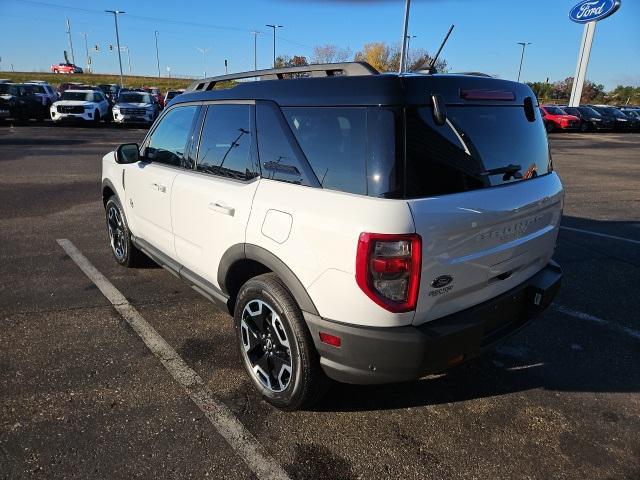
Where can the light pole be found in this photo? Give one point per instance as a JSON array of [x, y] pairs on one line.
[[524, 45], [405, 29], [274, 41], [115, 18], [126, 49], [204, 63], [157, 53], [86, 49], [409, 37], [255, 50]]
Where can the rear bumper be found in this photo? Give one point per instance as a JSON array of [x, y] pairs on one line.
[[383, 355]]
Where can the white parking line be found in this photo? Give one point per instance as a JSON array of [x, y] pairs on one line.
[[604, 235], [600, 321], [225, 422]]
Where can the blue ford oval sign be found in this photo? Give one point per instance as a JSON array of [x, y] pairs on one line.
[[593, 10]]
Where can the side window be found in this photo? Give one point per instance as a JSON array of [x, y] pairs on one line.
[[169, 140], [225, 142], [335, 144], [279, 159]]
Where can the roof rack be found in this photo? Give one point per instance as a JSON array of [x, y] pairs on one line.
[[319, 70]]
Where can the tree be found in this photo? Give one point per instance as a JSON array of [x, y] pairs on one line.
[[330, 53], [375, 54], [387, 58], [283, 61]]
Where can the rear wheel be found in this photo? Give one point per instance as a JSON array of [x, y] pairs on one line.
[[124, 251], [275, 345], [96, 118], [584, 127]]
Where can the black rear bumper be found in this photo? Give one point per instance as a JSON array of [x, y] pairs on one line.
[[384, 355]]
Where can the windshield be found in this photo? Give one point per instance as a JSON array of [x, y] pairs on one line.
[[82, 96], [554, 111], [618, 113], [589, 111], [134, 98]]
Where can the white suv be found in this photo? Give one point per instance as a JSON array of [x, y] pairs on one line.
[[80, 105], [360, 227]]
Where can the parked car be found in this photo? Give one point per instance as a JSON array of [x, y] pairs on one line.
[[556, 119], [633, 113], [157, 94], [66, 68], [111, 91], [80, 106], [19, 103], [622, 123], [347, 221], [63, 87], [44, 91], [171, 94], [135, 107], [590, 120]]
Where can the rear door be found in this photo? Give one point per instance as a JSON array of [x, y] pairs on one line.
[[211, 204], [484, 200], [148, 183]]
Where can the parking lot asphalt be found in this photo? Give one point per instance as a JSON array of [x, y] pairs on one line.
[[83, 397]]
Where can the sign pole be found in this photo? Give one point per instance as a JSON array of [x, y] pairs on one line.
[[583, 63]]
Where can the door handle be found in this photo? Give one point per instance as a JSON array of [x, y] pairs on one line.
[[160, 188], [222, 208]]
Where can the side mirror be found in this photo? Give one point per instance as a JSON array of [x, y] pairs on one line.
[[439, 110], [128, 153]]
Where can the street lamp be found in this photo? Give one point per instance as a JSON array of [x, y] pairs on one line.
[[405, 28], [524, 45], [86, 49], [115, 18], [274, 41], [409, 37], [157, 53], [204, 63], [255, 50]]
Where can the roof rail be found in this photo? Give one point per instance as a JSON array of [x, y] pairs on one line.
[[318, 70]]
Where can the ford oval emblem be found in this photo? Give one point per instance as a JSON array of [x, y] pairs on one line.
[[441, 281], [593, 10]]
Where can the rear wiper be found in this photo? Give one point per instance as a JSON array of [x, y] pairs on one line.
[[509, 171]]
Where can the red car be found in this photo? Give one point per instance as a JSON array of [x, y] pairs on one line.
[[65, 68], [557, 119], [157, 94]]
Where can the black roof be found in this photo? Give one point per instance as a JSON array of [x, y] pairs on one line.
[[364, 86]]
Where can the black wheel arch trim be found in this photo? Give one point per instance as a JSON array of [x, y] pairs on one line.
[[107, 183], [248, 251]]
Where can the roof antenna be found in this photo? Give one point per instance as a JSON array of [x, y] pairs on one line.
[[432, 66]]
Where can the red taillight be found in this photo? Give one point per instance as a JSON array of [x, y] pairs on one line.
[[388, 269], [330, 339]]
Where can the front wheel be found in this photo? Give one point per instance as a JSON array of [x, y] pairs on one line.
[[275, 345], [549, 126], [123, 249]]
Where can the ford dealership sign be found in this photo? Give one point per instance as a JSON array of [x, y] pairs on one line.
[[593, 10]]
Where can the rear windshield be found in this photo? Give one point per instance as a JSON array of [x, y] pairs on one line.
[[35, 88], [361, 150], [478, 147]]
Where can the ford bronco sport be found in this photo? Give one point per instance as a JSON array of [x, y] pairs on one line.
[[362, 227]]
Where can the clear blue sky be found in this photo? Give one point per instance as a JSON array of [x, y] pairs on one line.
[[33, 34]]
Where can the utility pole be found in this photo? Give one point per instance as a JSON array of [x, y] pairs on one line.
[[274, 26], [73, 58], [204, 62], [409, 37], [86, 49], [405, 29], [524, 45], [255, 50], [115, 18], [157, 54]]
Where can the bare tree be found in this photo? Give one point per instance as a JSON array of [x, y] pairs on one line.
[[330, 53]]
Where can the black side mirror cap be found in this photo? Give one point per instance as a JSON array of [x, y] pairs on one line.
[[439, 110], [128, 153]]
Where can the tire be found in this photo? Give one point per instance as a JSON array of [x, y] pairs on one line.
[[272, 335], [96, 118], [549, 127], [584, 127], [123, 250]]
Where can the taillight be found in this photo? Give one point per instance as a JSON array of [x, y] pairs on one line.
[[388, 269]]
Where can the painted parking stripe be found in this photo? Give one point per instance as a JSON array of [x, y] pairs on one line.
[[225, 422], [600, 321], [604, 235]]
